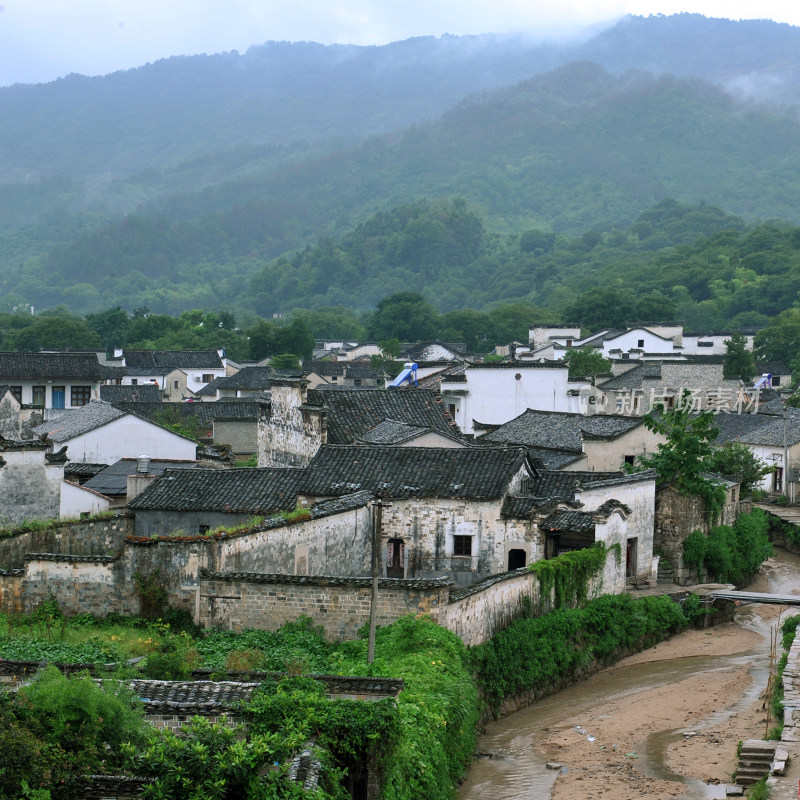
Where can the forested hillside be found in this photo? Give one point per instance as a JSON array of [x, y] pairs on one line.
[[285, 178]]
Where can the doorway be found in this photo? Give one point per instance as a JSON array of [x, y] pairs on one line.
[[395, 559]]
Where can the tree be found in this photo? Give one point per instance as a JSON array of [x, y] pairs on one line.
[[285, 361], [736, 460], [739, 361], [602, 307], [407, 316], [586, 363], [687, 452], [780, 340]]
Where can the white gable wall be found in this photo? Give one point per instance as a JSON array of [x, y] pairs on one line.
[[497, 395], [129, 437], [638, 339], [75, 500]]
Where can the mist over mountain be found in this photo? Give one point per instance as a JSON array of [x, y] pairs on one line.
[[177, 182]]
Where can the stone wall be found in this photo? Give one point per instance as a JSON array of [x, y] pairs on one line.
[[428, 527], [234, 601], [30, 488], [101, 537], [289, 433], [678, 515]]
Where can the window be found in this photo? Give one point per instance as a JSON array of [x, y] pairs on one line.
[[357, 382], [17, 392], [80, 395], [640, 343], [59, 396], [207, 377], [39, 393], [462, 545], [174, 384], [203, 529], [776, 380], [451, 408], [630, 460], [134, 381]]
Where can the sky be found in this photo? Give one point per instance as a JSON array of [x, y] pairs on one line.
[[42, 40]]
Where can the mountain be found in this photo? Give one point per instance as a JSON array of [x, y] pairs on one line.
[[232, 161]]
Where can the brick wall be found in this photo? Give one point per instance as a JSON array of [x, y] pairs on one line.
[[240, 434], [234, 601]]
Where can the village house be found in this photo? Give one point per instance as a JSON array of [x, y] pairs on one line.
[[494, 393], [340, 373], [102, 433], [637, 386], [231, 423], [774, 439], [123, 480], [199, 500], [568, 441], [248, 383], [52, 380], [178, 373], [10, 414], [299, 420], [474, 512]]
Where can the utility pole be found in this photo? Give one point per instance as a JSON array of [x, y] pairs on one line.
[[377, 523]]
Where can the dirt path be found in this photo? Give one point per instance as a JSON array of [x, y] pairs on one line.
[[600, 748]]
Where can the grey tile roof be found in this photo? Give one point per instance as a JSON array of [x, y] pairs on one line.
[[469, 473], [583, 521], [392, 432], [83, 470], [143, 393], [50, 366], [353, 411], [163, 361], [79, 421], [559, 430], [248, 378], [345, 369], [113, 479], [560, 484], [205, 413], [241, 491], [759, 429]]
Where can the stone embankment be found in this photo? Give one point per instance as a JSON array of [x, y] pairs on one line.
[[785, 778]]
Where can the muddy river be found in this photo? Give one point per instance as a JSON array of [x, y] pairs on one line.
[[516, 749]]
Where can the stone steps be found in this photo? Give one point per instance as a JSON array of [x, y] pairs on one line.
[[755, 761]]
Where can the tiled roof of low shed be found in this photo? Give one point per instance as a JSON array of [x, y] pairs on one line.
[[469, 473], [354, 411], [237, 491]]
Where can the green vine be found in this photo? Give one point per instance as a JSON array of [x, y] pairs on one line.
[[564, 580]]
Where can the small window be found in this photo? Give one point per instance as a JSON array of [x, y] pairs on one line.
[[39, 394], [630, 460], [357, 382], [462, 545], [17, 392], [207, 377], [569, 343], [776, 380], [134, 381], [174, 384], [59, 396], [334, 377], [80, 395], [203, 529], [451, 407], [640, 343]]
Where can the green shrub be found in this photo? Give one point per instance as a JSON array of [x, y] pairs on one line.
[[695, 547], [538, 653]]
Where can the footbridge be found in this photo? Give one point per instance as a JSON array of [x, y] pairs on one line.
[[755, 597]]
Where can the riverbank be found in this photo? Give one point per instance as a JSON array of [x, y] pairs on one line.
[[604, 762]]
